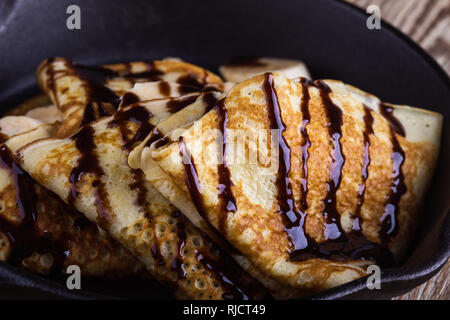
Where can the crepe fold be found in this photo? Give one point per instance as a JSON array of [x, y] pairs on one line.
[[86, 93], [90, 172], [311, 181], [41, 233]]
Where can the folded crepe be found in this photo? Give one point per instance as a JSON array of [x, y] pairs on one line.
[[311, 181], [52, 235], [40, 232], [86, 93], [89, 171], [176, 123]]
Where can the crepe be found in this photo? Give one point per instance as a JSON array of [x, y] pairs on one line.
[[89, 171], [329, 180], [40, 232], [86, 93], [171, 126]]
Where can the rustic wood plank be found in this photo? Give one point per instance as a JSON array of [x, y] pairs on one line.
[[427, 22], [437, 288]]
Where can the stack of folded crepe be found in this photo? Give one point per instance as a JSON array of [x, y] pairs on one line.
[[275, 186]]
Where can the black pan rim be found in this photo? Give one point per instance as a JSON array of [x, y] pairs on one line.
[[400, 274]]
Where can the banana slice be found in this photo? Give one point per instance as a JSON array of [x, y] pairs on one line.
[[47, 114], [239, 70], [12, 125]]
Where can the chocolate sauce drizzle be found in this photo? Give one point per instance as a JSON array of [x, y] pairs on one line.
[[305, 144], [368, 131], [92, 112], [128, 98], [227, 199], [333, 228], [156, 252], [24, 237], [164, 88], [300, 233], [23, 234], [191, 81], [209, 99], [50, 78], [389, 221], [221, 270], [293, 218], [88, 164], [388, 113], [192, 178], [138, 185], [3, 137], [152, 73], [96, 77], [138, 115], [235, 282], [177, 103], [177, 262], [99, 94], [338, 246], [156, 135]]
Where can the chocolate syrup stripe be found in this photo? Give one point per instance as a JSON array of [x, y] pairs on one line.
[[88, 164], [192, 178], [226, 270], [221, 270], [292, 217], [177, 263], [351, 246], [50, 80], [98, 93], [95, 78], [227, 199], [333, 228], [368, 131], [175, 105], [194, 188], [152, 73], [3, 137], [128, 98], [24, 237], [389, 219], [23, 234], [192, 81], [92, 112], [140, 116], [305, 144], [388, 113], [156, 135]]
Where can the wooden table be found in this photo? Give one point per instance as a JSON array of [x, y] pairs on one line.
[[427, 22]]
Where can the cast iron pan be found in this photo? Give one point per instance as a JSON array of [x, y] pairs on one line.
[[330, 36]]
